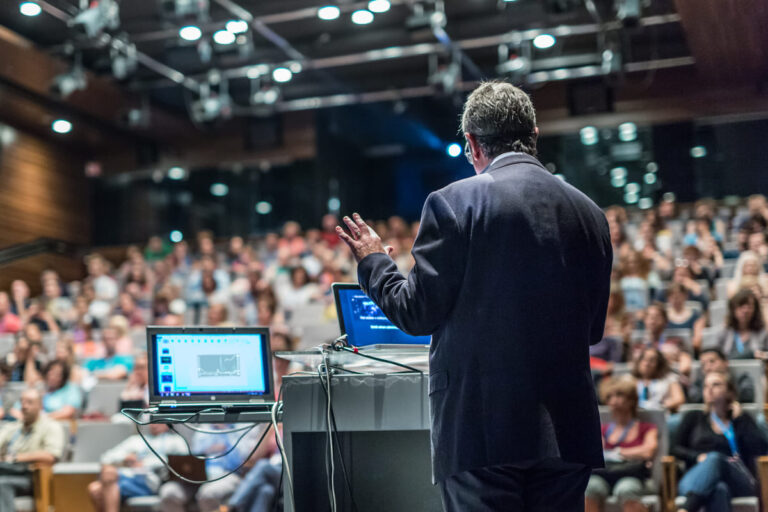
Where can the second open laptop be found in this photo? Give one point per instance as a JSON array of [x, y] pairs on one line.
[[197, 368], [365, 324]]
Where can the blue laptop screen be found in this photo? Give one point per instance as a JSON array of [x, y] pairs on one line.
[[210, 364], [365, 324]]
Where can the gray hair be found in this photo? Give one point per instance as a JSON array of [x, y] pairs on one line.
[[501, 117]]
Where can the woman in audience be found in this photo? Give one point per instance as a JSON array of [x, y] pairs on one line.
[[682, 316], [744, 335], [719, 447], [65, 352], [657, 386], [637, 281], [629, 445], [120, 325], [62, 399], [618, 326], [300, 291], [24, 362], [654, 336], [749, 265]]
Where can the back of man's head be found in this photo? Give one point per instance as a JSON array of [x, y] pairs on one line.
[[502, 118]]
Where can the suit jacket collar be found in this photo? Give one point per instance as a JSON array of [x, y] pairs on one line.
[[512, 159]]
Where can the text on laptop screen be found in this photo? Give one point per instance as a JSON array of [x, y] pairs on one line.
[[366, 324], [205, 364]]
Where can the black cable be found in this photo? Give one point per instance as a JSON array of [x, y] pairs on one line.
[[212, 457], [338, 443], [282, 465], [380, 359], [188, 480]]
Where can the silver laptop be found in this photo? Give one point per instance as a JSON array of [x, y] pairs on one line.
[[194, 368]]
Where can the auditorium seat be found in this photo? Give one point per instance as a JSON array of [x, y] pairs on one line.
[[718, 310], [104, 399]]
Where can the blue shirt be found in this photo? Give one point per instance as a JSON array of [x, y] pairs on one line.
[[98, 365]]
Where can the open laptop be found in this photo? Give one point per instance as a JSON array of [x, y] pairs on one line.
[[365, 324], [195, 368]]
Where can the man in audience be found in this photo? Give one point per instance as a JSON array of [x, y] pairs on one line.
[[23, 361], [131, 470], [713, 360], [34, 439], [112, 366], [9, 323], [137, 387]]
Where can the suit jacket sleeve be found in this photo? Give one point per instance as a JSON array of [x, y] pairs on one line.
[[420, 303]]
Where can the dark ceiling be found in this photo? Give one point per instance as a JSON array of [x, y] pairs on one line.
[[143, 22]]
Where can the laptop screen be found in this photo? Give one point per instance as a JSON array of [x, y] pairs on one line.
[[210, 364], [364, 323]]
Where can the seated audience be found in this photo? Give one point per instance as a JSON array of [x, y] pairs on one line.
[[65, 352], [637, 281], [682, 316], [62, 399], [630, 446], [34, 439], [713, 360], [719, 447], [124, 344], [131, 470], [744, 335], [657, 386]]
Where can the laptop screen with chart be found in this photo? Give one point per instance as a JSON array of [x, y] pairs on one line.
[[365, 324], [209, 365]]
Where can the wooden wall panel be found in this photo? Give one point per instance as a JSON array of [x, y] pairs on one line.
[[43, 193]]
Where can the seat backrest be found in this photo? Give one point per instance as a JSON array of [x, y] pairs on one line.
[[95, 438], [658, 418], [721, 288], [104, 398], [755, 370], [717, 311], [709, 337], [12, 393]]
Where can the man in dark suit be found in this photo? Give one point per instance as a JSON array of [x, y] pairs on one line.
[[511, 280]]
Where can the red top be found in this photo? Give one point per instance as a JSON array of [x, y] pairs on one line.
[[643, 428]]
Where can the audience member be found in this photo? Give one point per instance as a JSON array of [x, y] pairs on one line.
[[713, 360], [34, 439], [112, 366], [657, 386], [62, 399], [749, 265], [23, 361], [719, 447], [630, 446], [131, 470], [744, 335], [637, 281], [682, 316], [137, 387]]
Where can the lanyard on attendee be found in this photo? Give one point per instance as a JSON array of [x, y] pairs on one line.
[[728, 432], [623, 436], [739, 343]]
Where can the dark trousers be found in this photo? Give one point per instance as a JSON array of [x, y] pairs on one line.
[[549, 485]]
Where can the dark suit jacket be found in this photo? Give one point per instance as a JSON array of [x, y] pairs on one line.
[[511, 280]]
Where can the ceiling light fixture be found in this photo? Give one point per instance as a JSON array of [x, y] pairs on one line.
[[328, 13], [190, 33], [362, 17]]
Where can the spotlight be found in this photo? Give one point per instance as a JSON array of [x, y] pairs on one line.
[[650, 178], [328, 13], [92, 21], [645, 203], [237, 26], [30, 8], [176, 236], [219, 189], [334, 204], [362, 17], [652, 167], [176, 173], [627, 132], [588, 135], [190, 33], [268, 96], [224, 37], [61, 126], [544, 41], [454, 149], [379, 6], [263, 207], [282, 75], [65, 84], [619, 173], [698, 152], [184, 8], [618, 181], [632, 188], [630, 198], [295, 67]]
